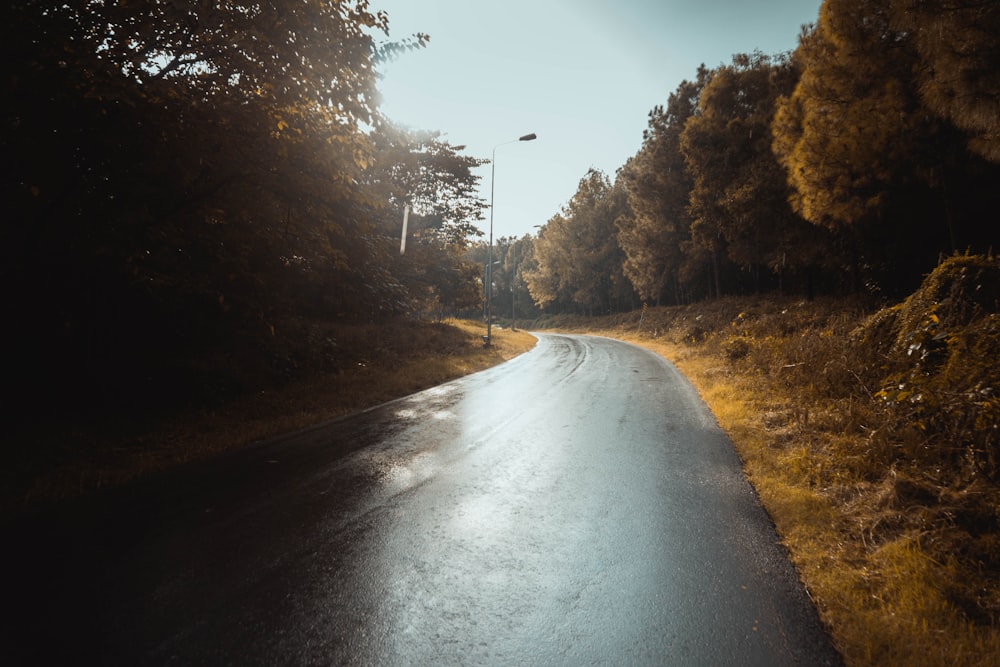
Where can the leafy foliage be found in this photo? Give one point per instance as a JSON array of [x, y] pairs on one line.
[[849, 133], [941, 376], [956, 42], [190, 179], [578, 260], [852, 164], [656, 226], [739, 200], [867, 157], [421, 170]]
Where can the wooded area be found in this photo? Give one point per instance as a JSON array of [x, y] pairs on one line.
[[193, 186], [852, 165]]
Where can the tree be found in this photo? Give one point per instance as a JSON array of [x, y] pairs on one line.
[[847, 135], [514, 258], [420, 170], [578, 258], [958, 47], [866, 157], [739, 197], [423, 171], [521, 261], [656, 226], [184, 174], [291, 55]]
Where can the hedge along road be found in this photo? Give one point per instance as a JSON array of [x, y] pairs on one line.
[[577, 505]]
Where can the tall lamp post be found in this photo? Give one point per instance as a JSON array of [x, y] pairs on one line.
[[513, 287], [488, 338]]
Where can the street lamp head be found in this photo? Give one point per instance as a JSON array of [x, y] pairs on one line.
[[528, 137]]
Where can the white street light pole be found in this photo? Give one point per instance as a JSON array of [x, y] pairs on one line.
[[402, 238], [488, 338], [513, 287]]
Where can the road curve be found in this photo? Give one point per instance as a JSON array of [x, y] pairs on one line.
[[577, 505]]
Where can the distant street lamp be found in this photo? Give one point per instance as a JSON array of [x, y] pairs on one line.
[[488, 338], [513, 287]]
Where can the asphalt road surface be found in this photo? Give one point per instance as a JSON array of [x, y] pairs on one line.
[[576, 506]]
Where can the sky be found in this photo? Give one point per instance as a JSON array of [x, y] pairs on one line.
[[581, 74]]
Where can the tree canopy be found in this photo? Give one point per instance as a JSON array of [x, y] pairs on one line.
[[738, 201], [853, 163], [656, 226], [865, 155], [577, 258], [958, 51], [188, 178]]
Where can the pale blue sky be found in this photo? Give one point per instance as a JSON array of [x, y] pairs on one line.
[[581, 74]]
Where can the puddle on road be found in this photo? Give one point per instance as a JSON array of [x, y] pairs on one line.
[[399, 475]]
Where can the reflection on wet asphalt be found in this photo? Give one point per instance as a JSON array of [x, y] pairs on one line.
[[577, 505]]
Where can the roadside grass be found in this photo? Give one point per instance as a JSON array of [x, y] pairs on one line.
[[367, 365], [885, 602], [900, 553]]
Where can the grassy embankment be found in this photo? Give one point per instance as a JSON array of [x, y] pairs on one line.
[[348, 368], [872, 440]]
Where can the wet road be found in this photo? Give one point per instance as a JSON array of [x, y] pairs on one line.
[[575, 506]]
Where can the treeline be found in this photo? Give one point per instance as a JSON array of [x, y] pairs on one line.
[[188, 184], [851, 165]]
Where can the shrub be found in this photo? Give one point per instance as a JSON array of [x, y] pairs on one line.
[[736, 348], [942, 376]]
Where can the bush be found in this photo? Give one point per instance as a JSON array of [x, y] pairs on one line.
[[941, 372], [736, 348]]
